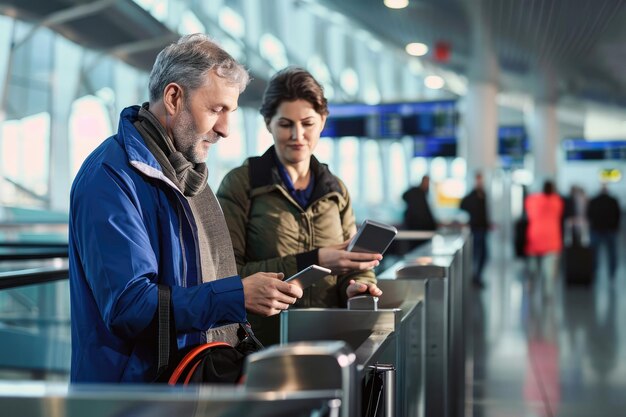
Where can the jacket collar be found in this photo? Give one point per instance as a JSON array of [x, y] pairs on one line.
[[137, 152], [263, 171]]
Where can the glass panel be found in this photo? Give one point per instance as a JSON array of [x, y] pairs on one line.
[[189, 23], [398, 182], [374, 173], [273, 50], [229, 152], [89, 125], [419, 168], [231, 22], [324, 150], [458, 168], [264, 137], [348, 170], [25, 159]]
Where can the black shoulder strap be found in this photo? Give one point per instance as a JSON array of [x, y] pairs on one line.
[[166, 329]]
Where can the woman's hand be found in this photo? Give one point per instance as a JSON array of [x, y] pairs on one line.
[[340, 261], [358, 288]]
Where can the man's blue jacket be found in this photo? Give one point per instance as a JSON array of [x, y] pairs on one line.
[[131, 228]]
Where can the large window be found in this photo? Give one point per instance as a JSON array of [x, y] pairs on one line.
[[25, 159], [264, 138], [348, 165], [228, 153], [398, 181], [373, 173], [89, 125]]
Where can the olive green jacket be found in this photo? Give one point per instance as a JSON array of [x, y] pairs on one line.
[[272, 233]]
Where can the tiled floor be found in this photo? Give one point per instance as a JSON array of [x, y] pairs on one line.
[[534, 356]]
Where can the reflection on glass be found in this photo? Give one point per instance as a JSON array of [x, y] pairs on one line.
[[458, 168], [231, 22], [324, 150], [348, 170], [419, 168], [264, 137], [273, 50], [89, 125], [372, 162], [320, 71], [398, 182], [438, 169], [189, 23], [25, 158]]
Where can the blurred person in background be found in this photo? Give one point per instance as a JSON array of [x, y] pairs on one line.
[[604, 213], [475, 204], [286, 210], [544, 241], [418, 215]]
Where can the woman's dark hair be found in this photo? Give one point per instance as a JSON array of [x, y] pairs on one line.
[[548, 187], [291, 84]]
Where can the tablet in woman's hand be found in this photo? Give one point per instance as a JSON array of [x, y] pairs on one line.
[[372, 237], [308, 276]]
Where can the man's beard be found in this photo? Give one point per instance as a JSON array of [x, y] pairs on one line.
[[186, 140]]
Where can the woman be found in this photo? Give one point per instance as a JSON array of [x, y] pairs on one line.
[[286, 211], [543, 237]]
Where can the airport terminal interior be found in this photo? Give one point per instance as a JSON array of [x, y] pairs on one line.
[[515, 101]]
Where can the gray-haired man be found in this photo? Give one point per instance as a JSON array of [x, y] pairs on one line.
[[142, 214]]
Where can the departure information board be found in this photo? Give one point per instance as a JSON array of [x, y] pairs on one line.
[[428, 147], [432, 124], [512, 145], [583, 150]]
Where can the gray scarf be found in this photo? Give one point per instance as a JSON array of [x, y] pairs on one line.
[[217, 259], [190, 178]]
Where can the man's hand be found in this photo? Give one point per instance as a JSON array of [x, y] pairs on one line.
[[358, 288], [339, 260], [266, 294]]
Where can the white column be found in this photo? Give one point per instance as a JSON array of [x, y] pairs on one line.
[[544, 134], [480, 119], [481, 127], [542, 124]]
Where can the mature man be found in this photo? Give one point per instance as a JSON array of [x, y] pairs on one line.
[[475, 204], [142, 213]]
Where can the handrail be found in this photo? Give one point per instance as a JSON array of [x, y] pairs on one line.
[[33, 244], [13, 279], [33, 253]]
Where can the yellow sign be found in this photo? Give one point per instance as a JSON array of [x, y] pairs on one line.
[[610, 175]]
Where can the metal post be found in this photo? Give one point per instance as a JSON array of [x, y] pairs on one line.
[[390, 390]]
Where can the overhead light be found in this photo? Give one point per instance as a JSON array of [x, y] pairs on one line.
[[396, 4], [416, 49], [434, 81]]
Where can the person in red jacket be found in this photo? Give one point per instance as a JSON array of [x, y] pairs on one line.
[[543, 237]]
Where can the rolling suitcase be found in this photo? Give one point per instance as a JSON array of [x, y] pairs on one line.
[[579, 266]]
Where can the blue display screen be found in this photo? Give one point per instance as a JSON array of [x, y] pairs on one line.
[[583, 150], [433, 119], [512, 145], [429, 147]]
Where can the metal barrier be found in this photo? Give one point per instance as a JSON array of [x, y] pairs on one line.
[[442, 264], [262, 396], [408, 297], [381, 330], [370, 334]]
